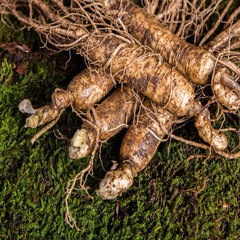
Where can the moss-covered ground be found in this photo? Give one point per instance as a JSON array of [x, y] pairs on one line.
[[173, 198]]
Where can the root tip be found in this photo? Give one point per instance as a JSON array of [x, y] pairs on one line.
[[32, 121], [25, 106], [114, 183]]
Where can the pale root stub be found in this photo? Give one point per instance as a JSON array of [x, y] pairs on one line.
[[115, 182], [25, 106], [79, 145]]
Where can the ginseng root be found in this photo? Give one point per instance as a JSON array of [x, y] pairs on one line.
[[194, 62], [136, 65], [109, 117], [226, 92], [215, 139], [85, 89], [142, 140], [138, 147]]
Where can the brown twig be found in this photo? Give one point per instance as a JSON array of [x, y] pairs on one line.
[[233, 16], [209, 34]]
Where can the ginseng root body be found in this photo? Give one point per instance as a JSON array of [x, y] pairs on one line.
[[142, 140], [196, 63], [130, 63], [137, 149], [192, 61], [85, 89], [157, 80], [106, 120]]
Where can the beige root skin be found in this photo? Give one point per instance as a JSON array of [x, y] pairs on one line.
[[82, 143], [89, 87]]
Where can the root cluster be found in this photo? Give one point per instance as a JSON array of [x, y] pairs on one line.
[[101, 31]]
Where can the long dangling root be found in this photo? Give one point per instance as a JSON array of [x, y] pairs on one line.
[[69, 219]]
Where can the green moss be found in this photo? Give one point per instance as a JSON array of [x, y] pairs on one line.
[[162, 203]]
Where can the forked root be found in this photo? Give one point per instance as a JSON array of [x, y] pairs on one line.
[[49, 113], [85, 89]]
